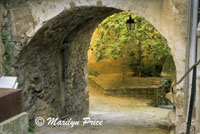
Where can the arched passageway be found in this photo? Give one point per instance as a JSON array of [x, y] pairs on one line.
[[52, 68], [60, 46], [116, 93], [41, 63]]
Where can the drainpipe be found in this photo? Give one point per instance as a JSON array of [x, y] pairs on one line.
[[187, 65], [197, 123], [192, 59]]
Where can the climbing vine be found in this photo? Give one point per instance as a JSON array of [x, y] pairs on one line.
[[8, 50], [6, 6], [145, 42], [8, 44]]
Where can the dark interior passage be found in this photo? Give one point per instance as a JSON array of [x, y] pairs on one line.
[[52, 68]]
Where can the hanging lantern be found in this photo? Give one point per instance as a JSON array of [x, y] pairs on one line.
[[130, 23]]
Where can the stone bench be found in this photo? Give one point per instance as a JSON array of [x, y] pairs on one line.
[[136, 87]]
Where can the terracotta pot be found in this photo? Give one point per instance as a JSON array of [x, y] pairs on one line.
[[156, 82]]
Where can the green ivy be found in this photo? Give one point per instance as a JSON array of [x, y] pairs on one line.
[[8, 45], [6, 6], [116, 41], [8, 50], [7, 69], [31, 128]]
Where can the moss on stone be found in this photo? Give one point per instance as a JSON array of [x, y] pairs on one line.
[[99, 3], [72, 4]]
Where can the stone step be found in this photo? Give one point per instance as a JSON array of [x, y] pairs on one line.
[[170, 107]]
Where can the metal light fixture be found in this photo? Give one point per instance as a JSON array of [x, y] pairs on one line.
[[130, 23]]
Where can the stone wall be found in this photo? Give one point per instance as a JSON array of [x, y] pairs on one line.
[[1, 44], [6, 40], [153, 88], [169, 17], [50, 42], [120, 65], [169, 69], [15, 125], [52, 68]]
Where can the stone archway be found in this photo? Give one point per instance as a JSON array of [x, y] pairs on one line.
[[67, 35], [169, 17], [56, 54]]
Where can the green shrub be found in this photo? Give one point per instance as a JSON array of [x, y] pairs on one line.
[[31, 128], [95, 73], [150, 70]]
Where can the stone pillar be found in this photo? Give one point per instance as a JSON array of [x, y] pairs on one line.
[[198, 85]]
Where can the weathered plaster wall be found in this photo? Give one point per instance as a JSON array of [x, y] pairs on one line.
[[37, 66], [169, 17], [169, 69], [120, 65], [105, 66]]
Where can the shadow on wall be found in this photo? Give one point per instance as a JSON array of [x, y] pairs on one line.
[[169, 68], [62, 41]]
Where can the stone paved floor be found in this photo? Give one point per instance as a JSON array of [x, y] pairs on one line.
[[120, 116]]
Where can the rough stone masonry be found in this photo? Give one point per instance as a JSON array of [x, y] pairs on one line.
[[52, 39]]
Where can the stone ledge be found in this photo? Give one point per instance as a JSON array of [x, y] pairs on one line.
[[136, 87], [15, 125]]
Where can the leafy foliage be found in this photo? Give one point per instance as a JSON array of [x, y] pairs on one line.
[[31, 128], [95, 73], [8, 50], [8, 45], [6, 6], [145, 42], [7, 68], [150, 70]]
